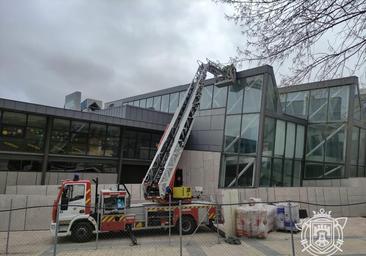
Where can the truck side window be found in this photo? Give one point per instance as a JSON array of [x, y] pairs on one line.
[[77, 192]]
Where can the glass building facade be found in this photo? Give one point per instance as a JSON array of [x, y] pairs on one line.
[[44, 143]]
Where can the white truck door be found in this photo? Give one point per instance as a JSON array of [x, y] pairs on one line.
[[72, 201]]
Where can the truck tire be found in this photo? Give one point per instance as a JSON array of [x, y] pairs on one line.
[[82, 232], [188, 225]]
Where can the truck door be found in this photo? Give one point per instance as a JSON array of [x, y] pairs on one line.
[[72, 201]]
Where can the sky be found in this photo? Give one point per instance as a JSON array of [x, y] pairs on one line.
[[108, 50]]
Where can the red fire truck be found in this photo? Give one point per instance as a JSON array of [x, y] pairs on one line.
[[78, 218]]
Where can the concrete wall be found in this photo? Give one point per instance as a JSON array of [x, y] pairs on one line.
[[54, 178], [201, 168], [348, 182]]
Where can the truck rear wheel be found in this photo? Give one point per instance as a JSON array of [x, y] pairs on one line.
[[188, 225], [81, 232]]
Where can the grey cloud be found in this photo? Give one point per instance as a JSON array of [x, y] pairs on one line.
[[106, 49]]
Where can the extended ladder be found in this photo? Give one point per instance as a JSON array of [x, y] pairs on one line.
[[161, 171]]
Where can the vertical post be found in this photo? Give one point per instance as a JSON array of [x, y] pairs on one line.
[[56, 230], [217, 222], [180, 229], [98, 225], [291, 229], [9, 226], [170, 217]]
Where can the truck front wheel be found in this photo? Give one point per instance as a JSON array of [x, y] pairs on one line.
[[81, 232], [188, 225]]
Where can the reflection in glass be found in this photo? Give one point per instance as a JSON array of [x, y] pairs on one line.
[[165, 103], [333, 171], [157, 103], [232, 133], [277, 172], [265, 177], [338, 103], [290, 140], [313, 170], [235, 98], [206, 97], [253, 94], [249, 133], [356, 105], [287, 173], [228, 170], [297, 174], [300, 140], [14, 118], [173, 103], [271, 102], [182, 94], [354, 145], [37, 121], [245, 171], [297, 103], [318, 105], [316, 136], [361, 158], [142, 103], [149, 102], [335, 143], [219, 97], [280, 138], [268, 140]]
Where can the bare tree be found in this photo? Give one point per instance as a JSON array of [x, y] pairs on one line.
[[317, 39]]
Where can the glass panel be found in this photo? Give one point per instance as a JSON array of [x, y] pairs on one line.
[[37, 121], [113, 131], [300, 140], [297, 174], [353, 171], [315, 142], [361, 156], [97, 133], [155, 139], [287, 173], [297, 104], [290, 140], [79, 138], [173, 103], [78, 149], [14, 118], [283, 101], [129, 144], [245, 171], [356, 106], [268, 140], [354, 145], [165, 103], [149, 103], [96, 150], [11, 144], [34, 133], [206, 97], [232, 133], [338, 103], [111, 151], [157, 103], [11, 131], [228, 170], [20, 165], [143, 145], [313, 170], [335, 144], [333, 171], [219, 97], [271, 102], [142, 103], [235, 98], [318, 105], [277, 172], [265, 177], [182, 94], [280, 138], [136, 103], [81, 127], [249, 133], [253, 94], [361, 171], [61, 124]]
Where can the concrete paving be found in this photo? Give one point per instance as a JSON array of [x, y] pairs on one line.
[[204, 243]]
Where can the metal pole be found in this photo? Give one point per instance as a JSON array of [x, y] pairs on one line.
[[217, 222], [170, 217], [56, 230], [180, 229], [291, 229], [9, 226], [98, 226]]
